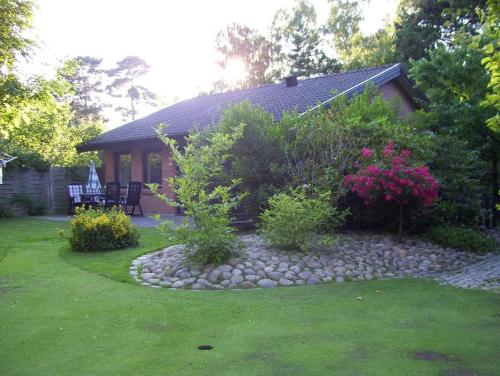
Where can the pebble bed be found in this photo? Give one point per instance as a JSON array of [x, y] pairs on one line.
[[354, 257]]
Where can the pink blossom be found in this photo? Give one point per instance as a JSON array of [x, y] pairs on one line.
[[366, 153]]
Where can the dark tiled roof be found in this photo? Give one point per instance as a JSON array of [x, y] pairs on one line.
[[276, 99]]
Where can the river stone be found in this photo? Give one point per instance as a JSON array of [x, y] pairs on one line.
[[313, 281], [199, 286], [267, 283], [236, 279], [247, 285], [305, 275], [313, 264], [252, 277], [285, 282], [178, 284], [224, 268], [214, 276], [295, 269]]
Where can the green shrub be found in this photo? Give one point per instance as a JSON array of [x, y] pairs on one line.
[[94, 230], [208, 239], [32, 207], [293, 219], [462, 238], [210, 242]]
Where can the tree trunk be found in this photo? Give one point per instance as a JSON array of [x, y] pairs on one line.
[[400, 232], [494, 187]]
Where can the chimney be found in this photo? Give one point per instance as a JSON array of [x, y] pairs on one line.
[[291, 81]]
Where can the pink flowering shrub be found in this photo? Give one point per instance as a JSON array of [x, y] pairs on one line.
[[393, 177]]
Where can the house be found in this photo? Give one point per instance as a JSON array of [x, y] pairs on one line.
[[132, 151]]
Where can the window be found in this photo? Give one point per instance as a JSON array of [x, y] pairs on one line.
[[122, 168], [152, 167]]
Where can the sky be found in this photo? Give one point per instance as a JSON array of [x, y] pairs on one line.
[[176, 38]]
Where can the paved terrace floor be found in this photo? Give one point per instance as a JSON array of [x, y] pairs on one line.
[[145, 221]]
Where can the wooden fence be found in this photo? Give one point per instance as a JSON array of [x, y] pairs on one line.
[[47, 188]]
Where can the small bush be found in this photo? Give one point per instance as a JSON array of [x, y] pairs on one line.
[[292, 220], [212, 241], [94, 230], [462, 238]]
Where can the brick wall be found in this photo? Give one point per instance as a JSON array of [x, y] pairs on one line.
[[391, 90], [149, 203]]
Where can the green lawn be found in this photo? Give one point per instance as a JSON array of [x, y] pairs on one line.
[[61, 316]]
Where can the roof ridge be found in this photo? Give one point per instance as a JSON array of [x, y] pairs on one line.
[[303, 79]]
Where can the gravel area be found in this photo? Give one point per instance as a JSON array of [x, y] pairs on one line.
[[354, 257], [483, 275]]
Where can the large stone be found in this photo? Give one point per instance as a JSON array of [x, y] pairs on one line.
[[285, 282], [275, 275], [178, 284], [305, 275], [313, 264], [295, 269], [225, 283], [224, 268], [252, 277], [313, 281], [199, 286], [236, 279], [237, 272], [214, 276], [267, 283], [247, 285]]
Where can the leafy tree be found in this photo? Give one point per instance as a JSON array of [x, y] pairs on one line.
[[422, 24], [456, 83], [256, 158], [15, 18], [489, 44], [242, 42], [370, 50], [123, 85], [45, 126], [298, 38], [84, 73], [343, 21]]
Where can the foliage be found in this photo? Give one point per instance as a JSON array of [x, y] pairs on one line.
[[209, 238], [15, 18], [256, 158], [363, 51], [84, 74], [320, 146], [343, 21], [94, 230], [297, 37], [422, 24], [489, 45], [28, 160], [256, 51], [392, 176], [292, 219], [456, 84], [462, 238], [35, 121], [31, 206], [123, 85]]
